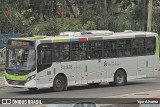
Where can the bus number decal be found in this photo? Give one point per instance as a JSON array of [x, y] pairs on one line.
[[66, 67], [110, 63]]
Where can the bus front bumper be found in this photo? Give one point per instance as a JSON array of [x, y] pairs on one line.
[[29, 84]]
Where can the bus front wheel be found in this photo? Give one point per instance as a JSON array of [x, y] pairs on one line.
[[58, 83]]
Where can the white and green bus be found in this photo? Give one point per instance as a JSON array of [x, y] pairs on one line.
[[79, 58]]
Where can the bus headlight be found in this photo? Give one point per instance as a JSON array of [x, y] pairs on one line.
[[31, 77]]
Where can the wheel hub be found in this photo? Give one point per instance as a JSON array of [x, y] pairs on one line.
[[119, 78], [58, 83]]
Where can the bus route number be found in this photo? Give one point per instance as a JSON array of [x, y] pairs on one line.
[[114, 63], [66, 67]]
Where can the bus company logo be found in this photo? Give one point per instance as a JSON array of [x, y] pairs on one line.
[[21, 101], [105, 63], [114, 63], [6, 101]]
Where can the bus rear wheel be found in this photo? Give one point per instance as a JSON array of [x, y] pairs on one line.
[[58, 83], [120, 78]]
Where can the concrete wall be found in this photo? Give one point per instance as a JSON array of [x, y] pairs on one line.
[[2, 56]]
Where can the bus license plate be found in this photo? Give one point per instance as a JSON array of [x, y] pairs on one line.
[[14, 82]]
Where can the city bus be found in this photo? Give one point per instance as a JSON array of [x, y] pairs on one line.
[[81, 58]]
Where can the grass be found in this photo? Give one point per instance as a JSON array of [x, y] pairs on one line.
[[1, 73]]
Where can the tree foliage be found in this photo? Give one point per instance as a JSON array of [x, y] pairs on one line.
[[49, 17]]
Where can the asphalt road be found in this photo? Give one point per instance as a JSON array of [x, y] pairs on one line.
[[104, 90]]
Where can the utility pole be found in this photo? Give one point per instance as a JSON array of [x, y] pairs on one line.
[[149, 22], [105, 8], [143, 27], [63, 14], [105, 12]]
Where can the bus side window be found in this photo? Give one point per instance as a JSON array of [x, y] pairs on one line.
[[61, 52], [110, 50], [79, 51], [95, 49], [46, 57], [139, 46], [150, 45]]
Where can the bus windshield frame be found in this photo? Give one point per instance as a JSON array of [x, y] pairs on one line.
[[21, 58]]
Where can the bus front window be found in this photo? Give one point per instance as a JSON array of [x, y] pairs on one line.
[[22, 59]]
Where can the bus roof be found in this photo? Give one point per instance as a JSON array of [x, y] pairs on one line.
[[89, 35]]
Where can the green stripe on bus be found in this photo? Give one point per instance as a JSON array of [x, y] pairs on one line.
[[30, 38], [39, 37], [146, 63], [54, 71], [157, 45], [20, 78], [86, 68]]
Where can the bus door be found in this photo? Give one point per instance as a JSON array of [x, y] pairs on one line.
[[79, 54], [94, 56], [94, 73], [44, 63], [89, 70], [105, 70], [82, 69], [139, 49], [146, 63]]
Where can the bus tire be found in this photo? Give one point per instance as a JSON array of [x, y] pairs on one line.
[[120, 78], [32, 89], [58, 83]]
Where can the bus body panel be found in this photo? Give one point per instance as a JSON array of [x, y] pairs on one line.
[[82, 68], [70, 70], [95, 70], [43, 77], [129, 64]]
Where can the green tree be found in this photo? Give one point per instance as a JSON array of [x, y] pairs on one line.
[[16, 15]]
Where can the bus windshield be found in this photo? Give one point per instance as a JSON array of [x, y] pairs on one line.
[[21, 58]]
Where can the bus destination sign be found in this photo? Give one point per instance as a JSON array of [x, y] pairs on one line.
[[20, 43]]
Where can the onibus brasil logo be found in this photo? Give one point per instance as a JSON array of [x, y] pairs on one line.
[[20, 101]]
